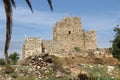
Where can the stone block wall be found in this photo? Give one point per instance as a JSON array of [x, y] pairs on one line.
[[32, 46], [48, 45], [90, 40]]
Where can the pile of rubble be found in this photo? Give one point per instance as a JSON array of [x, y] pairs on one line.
[[39, 64], [40, 61], [43, 65]]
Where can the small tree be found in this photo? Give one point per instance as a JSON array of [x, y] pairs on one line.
[[14, 58], [116, 43]]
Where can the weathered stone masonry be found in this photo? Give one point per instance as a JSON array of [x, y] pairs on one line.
[[32, 46], [67, 34]]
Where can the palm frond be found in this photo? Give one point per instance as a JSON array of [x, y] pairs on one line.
[[29, 4], [13, 3], [50, 4], [8, 9]]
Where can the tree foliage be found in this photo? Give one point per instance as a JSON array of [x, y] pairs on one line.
[[116, 43], [14, 58], [2, 61]]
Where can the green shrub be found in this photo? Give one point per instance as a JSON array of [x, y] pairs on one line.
[[8, 69], [57, 61], [77, 49], [14, 75], [106, 78], [13, 58], [24, 70], [99, 74], [95, 72], [2, 61]]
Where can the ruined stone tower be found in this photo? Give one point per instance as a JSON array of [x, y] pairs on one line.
[[68, 33]]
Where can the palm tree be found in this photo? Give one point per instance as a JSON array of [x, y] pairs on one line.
[[8, 5]]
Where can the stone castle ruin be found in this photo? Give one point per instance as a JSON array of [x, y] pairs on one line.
[[67, 35]]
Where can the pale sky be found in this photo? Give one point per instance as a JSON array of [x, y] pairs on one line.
[[99, 15]]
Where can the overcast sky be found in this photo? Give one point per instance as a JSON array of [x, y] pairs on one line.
[[99, 15]]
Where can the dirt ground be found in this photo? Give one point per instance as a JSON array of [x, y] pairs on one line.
[[74, 60]]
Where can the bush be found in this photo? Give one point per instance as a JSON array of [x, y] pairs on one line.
[[14, 58], [99, 74], [2, 62], [8, 69], [106, 78], [56, 61], [77, 49], [14, 75]]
